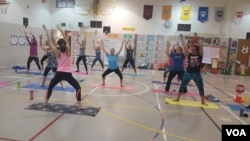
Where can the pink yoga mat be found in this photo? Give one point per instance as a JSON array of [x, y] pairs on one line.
[[112, 86], [173, 92], [2, 84]]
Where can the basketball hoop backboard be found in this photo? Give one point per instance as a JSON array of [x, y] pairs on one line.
[[4, 6]]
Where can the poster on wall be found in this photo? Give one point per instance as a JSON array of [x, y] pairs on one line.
[[166, 12], [234, 44], [219, 14], [238, 16], [186, 13], [74, 45], [148, 12], [203, 14], [206, 55]]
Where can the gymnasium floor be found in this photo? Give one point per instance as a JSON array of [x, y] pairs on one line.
[[131, 114]]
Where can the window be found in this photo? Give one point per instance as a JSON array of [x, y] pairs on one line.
[[65, 3]]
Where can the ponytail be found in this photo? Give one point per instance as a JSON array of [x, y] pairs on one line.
[[62, 45]]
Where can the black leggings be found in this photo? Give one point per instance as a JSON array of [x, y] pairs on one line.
[[171, 75], [47, 69], [43, 59], [67, 76], [30, 59], [83, 58], [117, 71], [131, 61], [97, 59]]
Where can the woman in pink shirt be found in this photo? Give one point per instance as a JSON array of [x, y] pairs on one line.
[[33, 51], [63, 57]]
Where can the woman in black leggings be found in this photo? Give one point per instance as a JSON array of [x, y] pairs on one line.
[[112, 64], [63, 57]]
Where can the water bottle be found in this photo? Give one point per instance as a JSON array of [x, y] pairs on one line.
[[241, 111]]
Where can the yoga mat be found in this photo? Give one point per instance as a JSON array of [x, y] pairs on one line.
[[173, 83], [191, 103], [97, 69], [31, 72], [80, 73], [61, 108], [18, 67], [113, 86], [56, 88], [174, 93], [2, 84], [133, 74], [236, 107]]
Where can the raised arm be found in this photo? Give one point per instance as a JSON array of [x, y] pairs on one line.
[[77, 39], [51, 44], [33, 36], [186, 51], [61, 31], [41, 45], [85, 38], [65, 38], [126, 44], [120, 48], [200, 44], [133, 47], [168, 48], [27, 38], [53, 38], [94, 44], [102, 46]]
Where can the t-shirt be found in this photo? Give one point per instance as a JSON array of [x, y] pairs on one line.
[[98, 54], [52, 63], [177, 61], [81, 51], [64, 63], [112, 61], [129, 54], [194, 63]]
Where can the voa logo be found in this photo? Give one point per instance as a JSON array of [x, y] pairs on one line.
[[236, 132]]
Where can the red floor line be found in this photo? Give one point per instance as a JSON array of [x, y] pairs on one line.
[[47, 126], [8, 139]]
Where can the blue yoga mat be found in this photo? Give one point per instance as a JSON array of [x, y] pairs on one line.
[[56, 88], [236, 107], [31, 72]]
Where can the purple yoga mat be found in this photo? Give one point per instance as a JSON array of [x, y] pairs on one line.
[[173, 92]]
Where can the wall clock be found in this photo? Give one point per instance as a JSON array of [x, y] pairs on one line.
[[21, 40], [43, 1], [167, 24], [13, 40]]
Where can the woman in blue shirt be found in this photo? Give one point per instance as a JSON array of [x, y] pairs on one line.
[[112, 63], [177, 67]]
